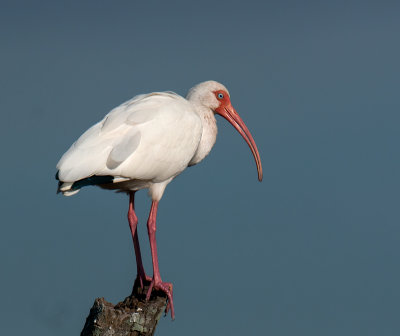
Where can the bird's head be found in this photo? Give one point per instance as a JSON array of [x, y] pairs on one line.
[[215, 96]]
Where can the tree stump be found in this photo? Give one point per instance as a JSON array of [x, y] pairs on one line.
[[132, 317]]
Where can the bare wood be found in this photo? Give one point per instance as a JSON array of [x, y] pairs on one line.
[[132, 317]]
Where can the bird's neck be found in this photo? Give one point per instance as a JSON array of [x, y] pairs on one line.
[[209, 134]]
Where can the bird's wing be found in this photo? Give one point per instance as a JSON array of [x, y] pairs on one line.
[[150, 137]]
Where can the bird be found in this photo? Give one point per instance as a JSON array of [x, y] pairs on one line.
[[145, 143]]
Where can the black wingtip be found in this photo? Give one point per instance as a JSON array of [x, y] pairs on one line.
[[92, 180]]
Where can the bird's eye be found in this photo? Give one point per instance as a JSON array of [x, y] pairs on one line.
[[220, 95]]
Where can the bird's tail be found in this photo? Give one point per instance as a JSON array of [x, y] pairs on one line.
[[71, 188]]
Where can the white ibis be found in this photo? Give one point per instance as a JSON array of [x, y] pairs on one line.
[[143, 144]]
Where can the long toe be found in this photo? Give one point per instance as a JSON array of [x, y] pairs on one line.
[[166, 287]]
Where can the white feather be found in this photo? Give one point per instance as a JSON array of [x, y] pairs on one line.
[[151, 137], [124, 148], [70, 192], [145, 142]]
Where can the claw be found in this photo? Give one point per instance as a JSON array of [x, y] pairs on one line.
[[167, 288]]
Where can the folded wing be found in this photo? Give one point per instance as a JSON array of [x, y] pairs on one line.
[[150, 137]]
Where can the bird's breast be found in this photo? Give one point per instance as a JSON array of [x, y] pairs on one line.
[[208, 137]]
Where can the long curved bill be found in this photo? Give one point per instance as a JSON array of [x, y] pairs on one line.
[[230, 114]]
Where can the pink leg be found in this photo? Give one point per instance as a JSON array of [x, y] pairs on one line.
[[133, 221], [156, 283]]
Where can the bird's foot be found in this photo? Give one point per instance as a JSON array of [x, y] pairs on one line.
[[166, 287], [143, 278]]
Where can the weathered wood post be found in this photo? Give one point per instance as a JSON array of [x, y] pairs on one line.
[[132, 317]]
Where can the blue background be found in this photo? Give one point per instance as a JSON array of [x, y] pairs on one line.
[[312, 250]]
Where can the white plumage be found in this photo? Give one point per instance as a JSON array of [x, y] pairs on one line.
[[148, 139], [145, 143]]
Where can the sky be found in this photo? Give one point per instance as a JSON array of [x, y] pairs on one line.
[[312, 250]]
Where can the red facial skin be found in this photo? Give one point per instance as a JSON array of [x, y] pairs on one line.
[[226, 110]]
